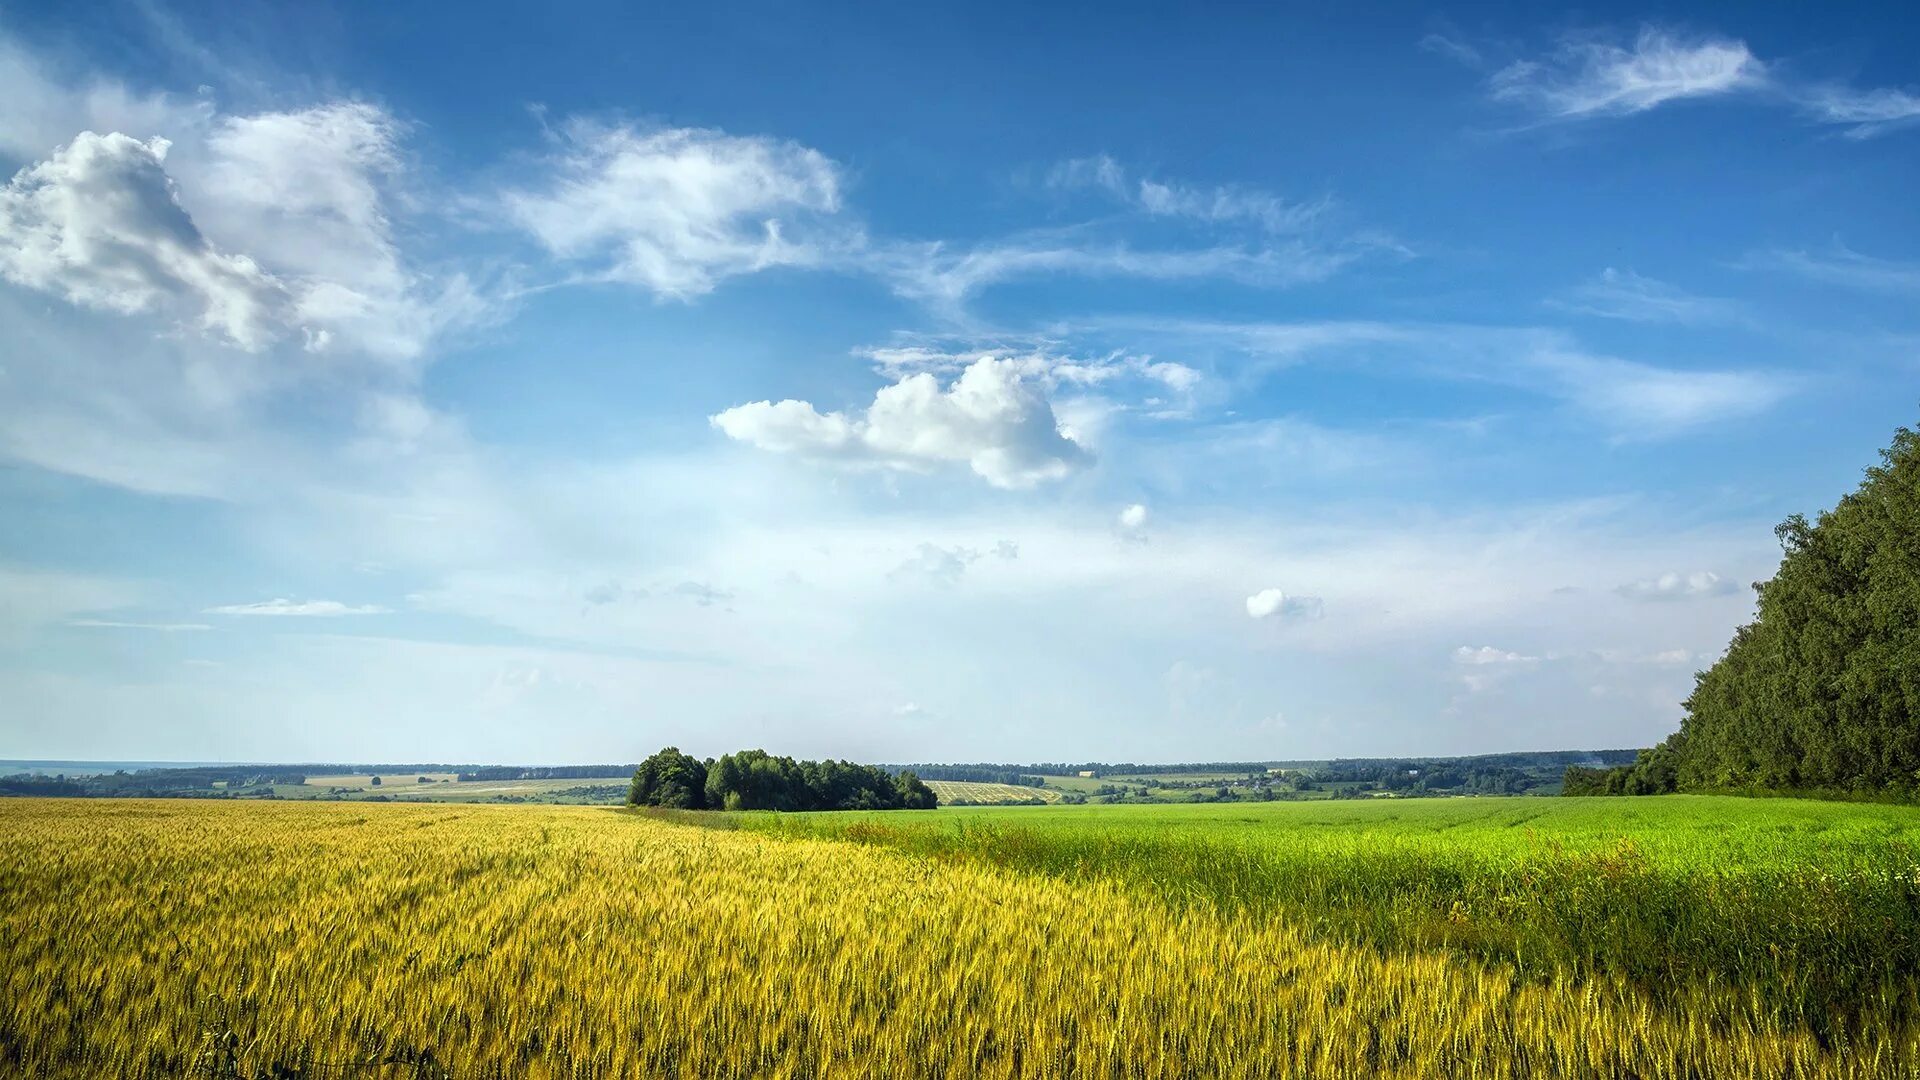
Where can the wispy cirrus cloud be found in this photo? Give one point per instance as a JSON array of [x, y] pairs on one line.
[[1210, 203], [677, 210], [323, 609], [1840, 265], [1866, 112], [1594, 77], [122, 624], [1633, 398], [945, 277], [1625, 295], [1595, 74], [1645, 400]]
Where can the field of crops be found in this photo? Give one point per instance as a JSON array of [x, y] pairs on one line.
[[952, 792], [259, 939], [1812, 907]]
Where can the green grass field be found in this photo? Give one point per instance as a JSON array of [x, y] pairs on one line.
[[1813, 905]]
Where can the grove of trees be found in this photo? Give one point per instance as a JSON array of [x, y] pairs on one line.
[[757, 780], [1821, 692]]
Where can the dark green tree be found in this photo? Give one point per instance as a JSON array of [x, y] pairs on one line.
[[757, 780], [670, 778], [1821, 692]]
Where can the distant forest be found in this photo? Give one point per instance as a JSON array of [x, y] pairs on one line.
[[838, 785], [1820, 694]]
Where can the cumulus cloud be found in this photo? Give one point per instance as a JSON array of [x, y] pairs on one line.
[[1271, 603], [1134, 518], [677, 210], [1162, 389], [992, 418], [1673, 586], [100, 224], [298, 608], [254, 229]]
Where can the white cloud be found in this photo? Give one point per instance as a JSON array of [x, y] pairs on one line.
[[1623, 294], [942, 566], [1134, 517], [1487, 654], [1215, 204], [1641, 399], [1588, 78], [1161, 389], [1870, 112], [298, 608], [117, 624], [991, 418], [1841, 266], [676, 210], [1635, 399], [31, 599], [945, 278], [1452, 48], [253, 228], [1674, 586], [100, 224], [308, 194], [44, 111], [1268, 603]]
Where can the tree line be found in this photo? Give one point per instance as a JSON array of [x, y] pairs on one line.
[[1820, 694], [544, 772], [757, 780], [971, 774]]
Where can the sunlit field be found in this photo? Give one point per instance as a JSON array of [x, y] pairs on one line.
[[169, 938], [1811, 907], [962, 791]]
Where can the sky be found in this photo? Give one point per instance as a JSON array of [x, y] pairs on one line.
[[925, 382]]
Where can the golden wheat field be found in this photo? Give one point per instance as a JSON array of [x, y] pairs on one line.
[[204, 938]]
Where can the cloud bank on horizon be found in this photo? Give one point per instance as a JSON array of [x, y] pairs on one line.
[[611, 404]]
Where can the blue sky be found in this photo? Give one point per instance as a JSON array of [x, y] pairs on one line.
[[918, 383]]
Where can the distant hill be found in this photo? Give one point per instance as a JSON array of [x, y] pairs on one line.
[[1820, 694]]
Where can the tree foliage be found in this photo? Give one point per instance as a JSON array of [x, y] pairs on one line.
[[670, 778], [757, 780], [1821, 692]]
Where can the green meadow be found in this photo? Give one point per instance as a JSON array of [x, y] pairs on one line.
[[1812, 906]]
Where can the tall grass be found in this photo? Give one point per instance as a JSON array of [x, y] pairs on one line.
[[1824, 935], [167, 939]]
